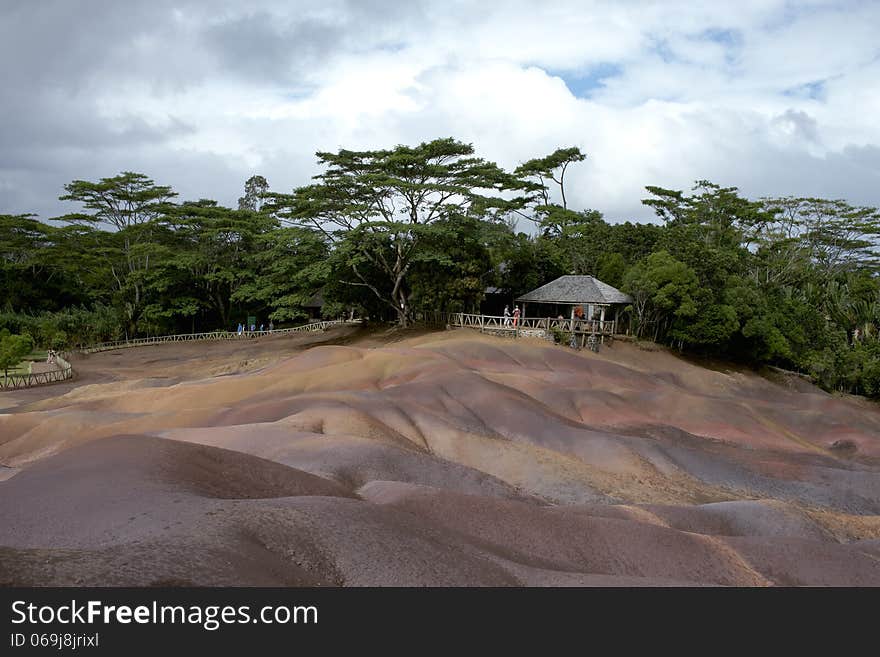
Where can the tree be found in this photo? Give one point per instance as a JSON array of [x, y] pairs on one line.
[[130, 203], [834, 235], [214, 245], [551, 168], [611, 268], [13, 348], [524, 262], [285, 269], [129, 199], [448, 273], [663, 290], [255, 190], [393, 199]]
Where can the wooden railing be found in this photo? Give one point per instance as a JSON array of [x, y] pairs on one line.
[[500, 323], [213, 336], [18, 381], [65, 371]]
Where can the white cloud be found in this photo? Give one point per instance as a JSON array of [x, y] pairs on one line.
[[773, 97]]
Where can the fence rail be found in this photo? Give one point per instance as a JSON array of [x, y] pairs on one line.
[[19, 381], [212, 336], [500, 323]]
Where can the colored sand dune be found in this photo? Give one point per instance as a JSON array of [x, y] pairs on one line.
[[440, 459]]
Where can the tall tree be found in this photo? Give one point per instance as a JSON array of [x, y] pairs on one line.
[[394, 198], [255, 190], [449, 273], [551, 168], [130, 203], [835, 235], [216, 246], [286, 267]]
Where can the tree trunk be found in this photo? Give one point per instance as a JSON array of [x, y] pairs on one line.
[[221, 306], [400, 304]]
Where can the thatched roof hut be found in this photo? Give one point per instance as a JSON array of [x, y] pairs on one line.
[[588, 292], [576, 290]]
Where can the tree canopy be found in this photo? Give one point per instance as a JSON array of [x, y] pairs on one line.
[[389, 233], [388, 207]]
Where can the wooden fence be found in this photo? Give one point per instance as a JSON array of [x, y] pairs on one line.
[[212, 336], [18, 381], [499, 323]]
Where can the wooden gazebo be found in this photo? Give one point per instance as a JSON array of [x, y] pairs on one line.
[[567, 293]]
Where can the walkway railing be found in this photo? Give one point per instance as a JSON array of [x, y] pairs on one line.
[[18, 381], [500, 323], [213, 336], [65, 371]]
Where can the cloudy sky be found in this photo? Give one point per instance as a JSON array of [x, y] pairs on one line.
[[773, 97]]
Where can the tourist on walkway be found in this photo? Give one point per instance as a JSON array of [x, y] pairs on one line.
[[506, 316], [515, 316]]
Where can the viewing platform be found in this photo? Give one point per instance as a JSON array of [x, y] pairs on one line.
[[525, 326]]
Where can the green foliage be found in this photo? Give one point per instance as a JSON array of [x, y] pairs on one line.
[[663, 291], [522, 263], [287, 267], [389, 200], [550, 168], [449, 271], [36, 271], [611, 268], [560, 336], [223, 256], [793, 282], [255, 190], [13, 348], [131, 203], [68, 328]]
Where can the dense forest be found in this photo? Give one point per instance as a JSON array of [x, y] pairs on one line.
[[791, 282]]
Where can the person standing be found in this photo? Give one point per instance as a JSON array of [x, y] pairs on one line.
[[271, 325], [506, 316], [515, 316]]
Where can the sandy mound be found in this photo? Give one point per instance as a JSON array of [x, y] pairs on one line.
[[443, 458]]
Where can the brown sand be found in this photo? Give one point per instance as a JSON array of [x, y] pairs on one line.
[[448, 458]]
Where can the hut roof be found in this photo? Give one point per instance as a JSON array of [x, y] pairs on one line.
[[576, 289]]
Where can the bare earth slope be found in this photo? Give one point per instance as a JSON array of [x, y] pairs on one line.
[[440, 459]]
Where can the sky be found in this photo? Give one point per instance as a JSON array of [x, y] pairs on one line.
[[776, 98]]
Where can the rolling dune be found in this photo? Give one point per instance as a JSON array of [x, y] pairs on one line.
[[446, 458]]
